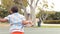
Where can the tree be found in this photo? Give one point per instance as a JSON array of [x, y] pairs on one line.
[[32, 8], [7, 4], [33, 5], [44, 7], [22, 5], [3, 12]]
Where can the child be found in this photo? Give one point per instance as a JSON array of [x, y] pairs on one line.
[[17, 21]]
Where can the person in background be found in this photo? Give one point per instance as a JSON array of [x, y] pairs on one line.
[[39, 22], [16, 20]]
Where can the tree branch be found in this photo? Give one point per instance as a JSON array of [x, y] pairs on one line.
[[36, 3]]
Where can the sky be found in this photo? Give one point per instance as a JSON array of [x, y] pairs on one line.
[[0, 1], [56, 4]]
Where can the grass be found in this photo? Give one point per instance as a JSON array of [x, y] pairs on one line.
[[50, 27]]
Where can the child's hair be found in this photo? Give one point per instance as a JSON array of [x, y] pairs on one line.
[[14, 9]]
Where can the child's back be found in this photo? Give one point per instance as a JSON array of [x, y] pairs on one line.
[[15, 20]]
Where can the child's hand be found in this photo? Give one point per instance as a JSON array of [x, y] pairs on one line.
[[3, 20], [30, 24]]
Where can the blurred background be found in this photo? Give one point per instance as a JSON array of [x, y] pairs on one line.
[[43, 13]]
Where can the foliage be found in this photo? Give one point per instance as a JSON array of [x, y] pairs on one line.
[[3, 12], [7, 3], [21, 2], [40, 13], [55, 16], [52, 21], [25, 3], [52, 15]]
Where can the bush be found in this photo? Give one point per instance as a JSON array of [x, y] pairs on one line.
[[52, 21]]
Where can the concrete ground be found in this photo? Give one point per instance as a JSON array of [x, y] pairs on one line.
[[5, 30]]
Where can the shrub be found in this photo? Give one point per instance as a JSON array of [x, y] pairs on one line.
[[52, 21]]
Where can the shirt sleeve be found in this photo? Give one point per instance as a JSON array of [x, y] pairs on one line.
[[7, 17]]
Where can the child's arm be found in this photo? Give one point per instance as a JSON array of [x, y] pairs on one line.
[[3, 20], [25, 22]]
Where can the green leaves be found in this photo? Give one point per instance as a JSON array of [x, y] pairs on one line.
[[25, 3], [21, 2], [3, 13], [7, 3]]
